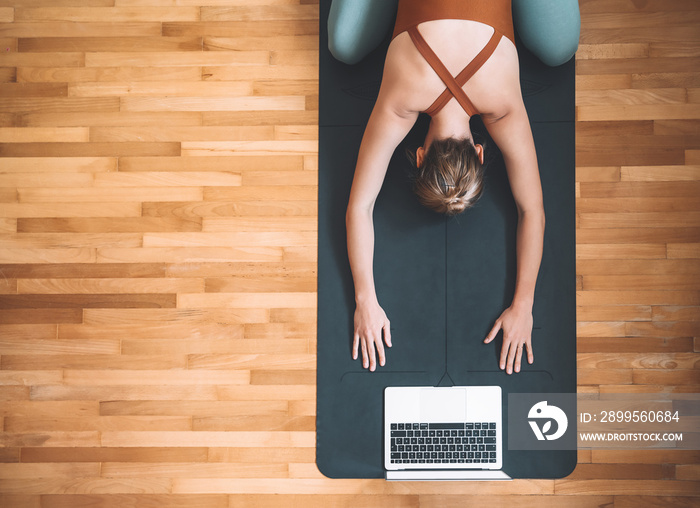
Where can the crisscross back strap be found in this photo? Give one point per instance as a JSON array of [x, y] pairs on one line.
[[454, 85]]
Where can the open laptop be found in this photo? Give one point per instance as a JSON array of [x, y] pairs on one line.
[[443, 433]]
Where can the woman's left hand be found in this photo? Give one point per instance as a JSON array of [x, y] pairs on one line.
[[516, 324]]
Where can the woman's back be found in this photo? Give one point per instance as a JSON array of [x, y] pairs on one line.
[[410, 84]]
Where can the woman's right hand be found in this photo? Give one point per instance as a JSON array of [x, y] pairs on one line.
[[371, 324]]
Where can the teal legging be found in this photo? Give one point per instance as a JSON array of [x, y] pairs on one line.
[[548, 28]]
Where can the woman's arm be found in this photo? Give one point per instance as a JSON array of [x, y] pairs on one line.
[[385, 130], [513, 136]]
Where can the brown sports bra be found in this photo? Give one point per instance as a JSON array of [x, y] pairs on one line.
[[495, 13]]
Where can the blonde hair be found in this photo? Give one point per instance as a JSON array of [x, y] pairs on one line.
[[451, 178]]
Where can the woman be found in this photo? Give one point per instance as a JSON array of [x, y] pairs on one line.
[[468, 47]]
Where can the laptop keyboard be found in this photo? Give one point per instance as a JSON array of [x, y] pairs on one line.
[[443, 443]]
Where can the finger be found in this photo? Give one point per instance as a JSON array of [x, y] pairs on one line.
[[511, 357], [365, 356], [372, 356], [380, 351], [355, 345], [518, 356], [504, 354], [493, 332], [530, 355], [387, 333]]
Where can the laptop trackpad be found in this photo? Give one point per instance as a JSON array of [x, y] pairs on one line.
[[449, 403]]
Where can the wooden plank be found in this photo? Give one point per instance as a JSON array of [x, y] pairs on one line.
[[614, 313], [253, 422], [40, 316], [622, 251], [102, 423], [637, 344], [639, 235], [109, 195], [246, 300], [259, 117], [601, 51], [684, 250], [86, 486], [626, 487], [603, 82], [119, 300], [99, 14], [7, 75], [271, 12], [21, 362], [238, 28], [289, 103], [221, 164], [94, 225], [175, 330], [59, 105], [71, 500], [615, 472], [674, 127], [669, 361], [133, 149], [178, 133], [637, 112], [174, 59], [640, 189], [118, 119], [664, 79], [209, 438], [632, 204], [230, 324], [66, 470], [655, 501], [184, 470], [102, 44], [297, 42], [162, 88], [105, 454], [334, 487], [631, 97], [638, 34], [243, 208], [79, 75], [675, 313], [650, 19], [71, 59], [46, 180], [252, 362], [33, 255], [25, 165], [34, 89], [90, 270], [99, 28], [660, 173], [640, 220], [147, 347], [108, 286], [609, 6], [192, 254]]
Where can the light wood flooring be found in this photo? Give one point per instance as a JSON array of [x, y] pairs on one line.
[[158, 255]]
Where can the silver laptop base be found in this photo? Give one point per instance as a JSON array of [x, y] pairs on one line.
[[440, 475]]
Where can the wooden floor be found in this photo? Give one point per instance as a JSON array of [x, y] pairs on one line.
[[158, 255]]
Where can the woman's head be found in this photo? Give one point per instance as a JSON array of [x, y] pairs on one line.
[[449, 176]]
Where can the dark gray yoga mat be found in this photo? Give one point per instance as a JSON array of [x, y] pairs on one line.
[[442, 281]]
